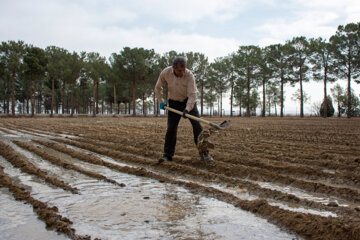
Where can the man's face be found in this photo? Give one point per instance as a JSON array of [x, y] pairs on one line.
[[179, 70]]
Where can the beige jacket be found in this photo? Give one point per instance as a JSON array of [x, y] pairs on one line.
[[179, 88]]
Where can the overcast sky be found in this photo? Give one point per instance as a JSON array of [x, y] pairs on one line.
[[215, 28]]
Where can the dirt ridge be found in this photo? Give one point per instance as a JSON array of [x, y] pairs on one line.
[[19, 161], [57, 161], [45, 213]]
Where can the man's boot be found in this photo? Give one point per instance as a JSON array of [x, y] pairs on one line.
[[205, 156], [165, 158]]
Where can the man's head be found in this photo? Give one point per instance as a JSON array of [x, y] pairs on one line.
[[179, 66]]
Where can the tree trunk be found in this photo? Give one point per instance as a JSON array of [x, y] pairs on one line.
[[13, 94], [282, 96], [325, 96], [39, 102], [72, 98], [128, 109], [349, 113], [202, 100], [94, 99], [263, 110], [28, 89], [63, 98], [133, 97], [67, 105], [97, 97], [221, 110], [231, 98], [33, 84], [8, 98], [248, 98], [301, 97], [115, 99], [155, 105], [52, 96], [143, 103]]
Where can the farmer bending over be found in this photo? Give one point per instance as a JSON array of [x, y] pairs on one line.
[[182, 97]]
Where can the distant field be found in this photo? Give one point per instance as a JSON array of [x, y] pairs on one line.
[[301, 174]]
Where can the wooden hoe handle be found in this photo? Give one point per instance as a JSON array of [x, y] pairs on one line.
[[222, 126], [187, 115]]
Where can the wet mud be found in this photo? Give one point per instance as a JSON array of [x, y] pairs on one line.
[[277, 166], [20, 161], [57, 161], [47, 214]]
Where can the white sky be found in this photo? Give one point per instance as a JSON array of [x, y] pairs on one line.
[[215, 28]]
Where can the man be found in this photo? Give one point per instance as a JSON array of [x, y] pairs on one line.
[[182, 97]]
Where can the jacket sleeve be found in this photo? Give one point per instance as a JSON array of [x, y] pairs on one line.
[[159, 87]]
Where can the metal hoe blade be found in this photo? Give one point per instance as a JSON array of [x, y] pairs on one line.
[[204, 144]]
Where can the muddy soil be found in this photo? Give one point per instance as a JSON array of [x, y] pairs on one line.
[[47, 214], [301, 174]]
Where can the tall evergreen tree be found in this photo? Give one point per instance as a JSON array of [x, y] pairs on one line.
[[246, 61], [265, 73], [219, 76], [273, 97], [279, 61], [75, 65], [240, 94], [323, 65], [36, 61], [55, 68], [300, 54], [198, 64], [135, 67], [12, 54], [94, 70], [346, 42]]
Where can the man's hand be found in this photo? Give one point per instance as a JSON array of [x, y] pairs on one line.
[[162, 105], [185, 112]]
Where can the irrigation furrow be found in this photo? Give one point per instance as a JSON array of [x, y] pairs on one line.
[[252, 173], [47, 214], [31, 131], [282, 163], [184, 170], [268, 158], [247, 159], [5, 130], [251, 152], [308, 156], [291, 220], [301, 166], [311, 190], [19, 161], [57, 161]]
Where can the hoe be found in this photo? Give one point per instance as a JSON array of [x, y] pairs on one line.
[[203, 143]]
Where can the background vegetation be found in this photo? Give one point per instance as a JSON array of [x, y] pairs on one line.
[[56, 81]]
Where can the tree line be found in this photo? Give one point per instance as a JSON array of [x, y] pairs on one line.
[[55, 81]]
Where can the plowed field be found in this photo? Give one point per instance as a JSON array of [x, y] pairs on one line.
[[99, 178]]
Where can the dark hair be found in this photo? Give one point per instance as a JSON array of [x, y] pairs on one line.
[[179, 59]]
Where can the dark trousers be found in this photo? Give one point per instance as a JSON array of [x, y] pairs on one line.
[[172, 125]]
